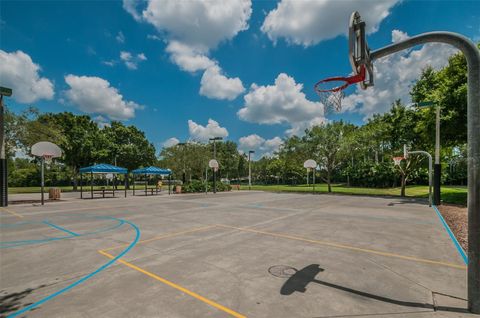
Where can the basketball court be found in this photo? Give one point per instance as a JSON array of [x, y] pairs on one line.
[[238, 254], [247, 254]]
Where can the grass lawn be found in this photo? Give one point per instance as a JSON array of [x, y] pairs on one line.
[[450, 194]]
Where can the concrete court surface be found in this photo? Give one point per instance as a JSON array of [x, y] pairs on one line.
[[238, 254]]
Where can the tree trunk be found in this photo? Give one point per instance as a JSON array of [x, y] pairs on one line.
[[402, 193], [328, 182]]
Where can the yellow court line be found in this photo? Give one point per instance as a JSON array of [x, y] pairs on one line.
[[162, 237], [12, 212], [347, 247], [177, 287]]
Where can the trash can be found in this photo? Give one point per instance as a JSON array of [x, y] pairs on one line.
[[54, 193], [178, 189]]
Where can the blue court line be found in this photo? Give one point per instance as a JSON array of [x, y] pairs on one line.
[[60, 228], [84, 278], [11, 244], [452, 237]]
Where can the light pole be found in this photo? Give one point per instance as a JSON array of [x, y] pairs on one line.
[[183, 144], [250, 170], [4, 91], [437, 169], [214, 146], [215, 157]]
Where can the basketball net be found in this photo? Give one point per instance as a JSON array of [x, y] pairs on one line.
[[331, 90], [47, 159], [397, 160], [332, 100]]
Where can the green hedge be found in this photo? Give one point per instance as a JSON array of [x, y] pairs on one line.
[[196, 186]]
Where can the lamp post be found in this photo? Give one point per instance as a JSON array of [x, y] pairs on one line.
[[215, 157], [250, 170], [183, 144], [437, 169], [4, 91], [214, 145]]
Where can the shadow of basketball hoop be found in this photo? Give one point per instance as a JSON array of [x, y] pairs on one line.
[[298, 280]]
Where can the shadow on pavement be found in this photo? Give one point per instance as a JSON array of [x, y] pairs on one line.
[[301, 278], [12, 302]]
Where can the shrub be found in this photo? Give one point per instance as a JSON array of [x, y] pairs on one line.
[[196, 186]]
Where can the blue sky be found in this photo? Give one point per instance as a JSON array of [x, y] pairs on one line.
[[184, 61]]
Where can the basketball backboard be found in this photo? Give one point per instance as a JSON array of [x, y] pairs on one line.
[[310, 164], [213, 164], [359, 52], [46, 149]]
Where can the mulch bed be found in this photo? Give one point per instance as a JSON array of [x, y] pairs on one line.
[[457, 219]]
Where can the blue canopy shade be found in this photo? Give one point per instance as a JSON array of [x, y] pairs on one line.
[[152, 170], [103, 168]]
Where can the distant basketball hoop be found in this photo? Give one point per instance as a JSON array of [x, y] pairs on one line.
[[397, 160], [46, 151]]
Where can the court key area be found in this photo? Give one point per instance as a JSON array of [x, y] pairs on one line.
[[236, 254]]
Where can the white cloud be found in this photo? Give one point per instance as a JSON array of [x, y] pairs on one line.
[[394, 76], [216, 85], [298, 128], [203, 133], [170, 142], [18, 72], [192, 29], [131, 61], [131, 6], [154, 37], [258, 144], [283, 102], [308, 22], [120, 37], [188, 58], [199, 23], [101, 121], [398, 36], [250, 142], [95, 95], [109, 63]]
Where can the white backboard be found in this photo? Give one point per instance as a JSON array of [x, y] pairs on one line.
[[46, 148], [310, 164], [213, 164]]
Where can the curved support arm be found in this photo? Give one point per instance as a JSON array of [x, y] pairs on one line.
[[429, 172], [459, 41]]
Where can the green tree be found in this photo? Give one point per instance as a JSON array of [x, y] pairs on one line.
[[80, 144], [448, 88], [328, 144], [127, 145]]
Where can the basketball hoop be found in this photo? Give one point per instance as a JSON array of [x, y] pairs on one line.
[[47, 158], [331, 90], [397, 160]]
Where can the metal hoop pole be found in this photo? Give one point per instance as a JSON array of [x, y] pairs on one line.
[[43, 179], [429, 172], [472, 54]]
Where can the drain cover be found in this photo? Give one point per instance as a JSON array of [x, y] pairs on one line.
[[282, 271]]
